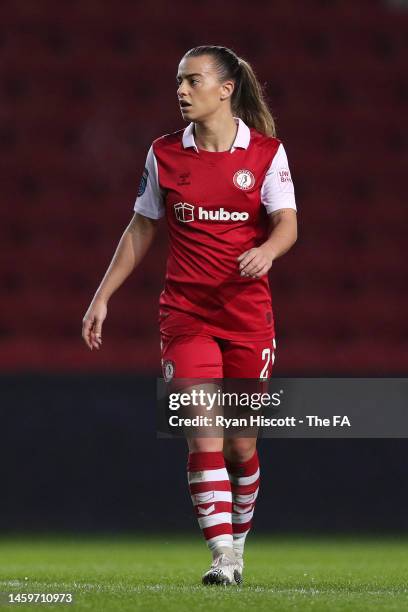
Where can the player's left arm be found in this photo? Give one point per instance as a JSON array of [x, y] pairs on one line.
[[282, 236], [278, 197]]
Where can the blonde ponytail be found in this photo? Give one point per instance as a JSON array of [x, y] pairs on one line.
[[249, 104]]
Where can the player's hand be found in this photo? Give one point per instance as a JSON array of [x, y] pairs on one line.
[[92, 323], [255, 263]]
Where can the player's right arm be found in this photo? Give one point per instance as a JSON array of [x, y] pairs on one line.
[[132, 247]]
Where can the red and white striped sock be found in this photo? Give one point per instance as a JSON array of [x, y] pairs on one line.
[[210, 491], [244, 479]]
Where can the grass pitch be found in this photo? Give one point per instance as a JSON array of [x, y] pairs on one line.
[[164, 573]]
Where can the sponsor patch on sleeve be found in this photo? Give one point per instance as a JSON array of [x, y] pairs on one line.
[[285, 179]]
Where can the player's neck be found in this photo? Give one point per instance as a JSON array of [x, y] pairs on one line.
[[215, 134]]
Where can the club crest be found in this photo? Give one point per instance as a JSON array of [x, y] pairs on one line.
[[244, 179]]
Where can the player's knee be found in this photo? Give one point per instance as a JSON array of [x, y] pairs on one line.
[[239, 449], [204, 445]]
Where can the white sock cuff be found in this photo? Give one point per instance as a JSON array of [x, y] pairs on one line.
[[224, 541]]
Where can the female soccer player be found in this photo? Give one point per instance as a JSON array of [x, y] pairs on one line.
[[224, 185]]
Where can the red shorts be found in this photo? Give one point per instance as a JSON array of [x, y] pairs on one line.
[[204, 356]]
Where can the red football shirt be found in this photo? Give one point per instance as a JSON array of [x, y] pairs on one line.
[[217, 206]]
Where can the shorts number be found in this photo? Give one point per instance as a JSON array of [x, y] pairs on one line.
[[266, 354]]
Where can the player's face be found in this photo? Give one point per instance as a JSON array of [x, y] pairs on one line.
[[199, 87]]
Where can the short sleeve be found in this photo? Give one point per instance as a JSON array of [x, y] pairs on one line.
[[277, 190], [149, 201]]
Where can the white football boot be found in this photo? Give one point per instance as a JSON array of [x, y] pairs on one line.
[[238, 570], [221, 570]]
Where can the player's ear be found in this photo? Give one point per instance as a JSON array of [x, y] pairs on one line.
[[226, 89]]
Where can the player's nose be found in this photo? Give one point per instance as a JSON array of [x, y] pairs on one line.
[[181, 91]]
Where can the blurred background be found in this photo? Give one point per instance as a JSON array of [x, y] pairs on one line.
[[85, 87]]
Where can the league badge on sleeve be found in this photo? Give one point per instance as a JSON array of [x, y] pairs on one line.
[[143, 183], [168, 370], [244, 179]]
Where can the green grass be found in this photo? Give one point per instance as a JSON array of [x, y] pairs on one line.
[[163, 573]]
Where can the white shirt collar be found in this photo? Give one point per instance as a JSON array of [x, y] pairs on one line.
[[241, 139]]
